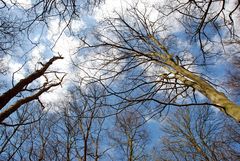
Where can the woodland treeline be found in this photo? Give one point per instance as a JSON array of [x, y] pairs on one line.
[[150, 80]]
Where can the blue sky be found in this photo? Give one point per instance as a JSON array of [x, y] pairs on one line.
[[52, 41]]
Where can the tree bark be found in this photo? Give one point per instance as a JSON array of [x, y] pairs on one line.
[[19, 87], [219, 99], [11, 93]]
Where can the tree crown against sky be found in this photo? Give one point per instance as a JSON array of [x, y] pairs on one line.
[[197, 134], [164, 65], [147, 57]]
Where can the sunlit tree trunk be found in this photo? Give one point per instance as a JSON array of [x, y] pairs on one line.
[[190, 79]]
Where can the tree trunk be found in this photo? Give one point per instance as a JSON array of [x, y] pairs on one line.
[[219, 99], [130, 144]]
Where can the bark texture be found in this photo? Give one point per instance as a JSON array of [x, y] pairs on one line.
[[219, 99]]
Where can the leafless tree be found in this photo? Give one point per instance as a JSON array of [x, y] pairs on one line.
[[16, 133], [16, 29], [156, 68], [198, 134], [140, 63], [73, 132], [234, 77], [42, 143], [86, 109], [205, 18], [8, 34], [129, 136], [26, 91]]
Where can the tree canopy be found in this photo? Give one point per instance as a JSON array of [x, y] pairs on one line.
[[89, 79]]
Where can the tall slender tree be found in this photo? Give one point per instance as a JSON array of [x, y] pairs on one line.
[[157, 68]]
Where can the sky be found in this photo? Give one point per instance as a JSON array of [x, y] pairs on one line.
[[56, 42], [52, 41]]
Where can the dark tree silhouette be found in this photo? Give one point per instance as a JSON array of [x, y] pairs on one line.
[[22, 86]]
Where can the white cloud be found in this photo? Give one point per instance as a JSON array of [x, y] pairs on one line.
[[26, 4], [14, 67], [65, 46], [36, 55], [120, 6], [54, 95], [77, 25]]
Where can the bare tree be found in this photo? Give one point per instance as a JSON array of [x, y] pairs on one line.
[[156, 67], [198, 134], [16, 133], [87, 108], [24, 86], [205, 18], [139, 64], [42, 144], [74, 131], [129, 136], [7, 34], [16, 30], [234, 77]]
